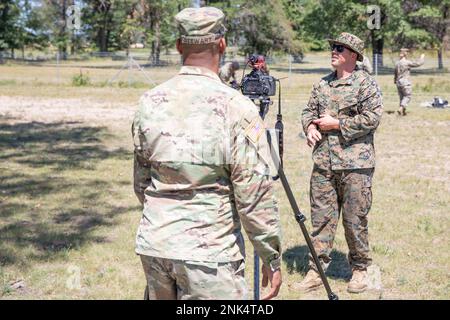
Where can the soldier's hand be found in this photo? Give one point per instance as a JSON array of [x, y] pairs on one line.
[[313, 136], [327, 122], [275, 282]]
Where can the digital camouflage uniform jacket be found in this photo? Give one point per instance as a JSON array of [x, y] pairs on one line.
[[356, 102], [201, 169]]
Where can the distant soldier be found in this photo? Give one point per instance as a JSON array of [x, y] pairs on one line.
[[227, 73], [201, 170], [339, 121], [365, 65], [401, 78]]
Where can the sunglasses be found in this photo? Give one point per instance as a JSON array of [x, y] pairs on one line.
[[338, 47]]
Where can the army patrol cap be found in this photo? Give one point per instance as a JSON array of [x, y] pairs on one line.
[[200, 25], [350, 41]]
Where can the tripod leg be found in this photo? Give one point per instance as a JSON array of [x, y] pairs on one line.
[[300, 218], [256, 276], [146, 294]]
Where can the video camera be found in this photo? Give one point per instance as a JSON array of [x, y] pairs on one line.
[[258, 84]]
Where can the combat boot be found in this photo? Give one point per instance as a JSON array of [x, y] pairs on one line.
[[400, 111], [311, 282], [358, 283], [404, 111]]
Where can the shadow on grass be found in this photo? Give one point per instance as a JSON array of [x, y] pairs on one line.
[[47, 205], [296, 259], [62, 145]]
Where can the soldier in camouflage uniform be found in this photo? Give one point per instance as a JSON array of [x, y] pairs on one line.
[[401, 78], [339, 121], [227, 73], [201, 169]]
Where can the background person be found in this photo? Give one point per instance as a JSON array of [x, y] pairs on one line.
[[402, 78], [227, 73]]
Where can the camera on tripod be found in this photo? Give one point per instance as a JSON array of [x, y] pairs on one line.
[[258, 84]]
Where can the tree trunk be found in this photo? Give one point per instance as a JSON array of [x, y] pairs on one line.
[[377, 48], [155, 14], [102, 40], [72, 46], [73, 43], [104, 31], [157, 42], [108, 34], [72, 35], [23, 52], [152, 53], [63, 45], [440, 62]]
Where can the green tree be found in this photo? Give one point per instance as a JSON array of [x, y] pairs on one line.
[[54, 20], [157, 17], [259, 26], [315, 21], [105, 21], [9, 25], [432, 19]]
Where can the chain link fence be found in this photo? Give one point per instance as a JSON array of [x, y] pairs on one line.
[[136, 66]]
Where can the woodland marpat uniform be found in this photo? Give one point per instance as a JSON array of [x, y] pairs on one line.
[[356, 102], [344, 162]]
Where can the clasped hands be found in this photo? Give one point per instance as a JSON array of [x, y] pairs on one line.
[[324, 123]]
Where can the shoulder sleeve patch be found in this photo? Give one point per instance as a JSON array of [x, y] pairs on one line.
[[254, 130]]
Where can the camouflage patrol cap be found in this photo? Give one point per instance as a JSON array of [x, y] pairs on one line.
[[200, 25], [350, 41]]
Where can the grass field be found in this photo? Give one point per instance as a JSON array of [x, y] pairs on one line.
[[68, 214]]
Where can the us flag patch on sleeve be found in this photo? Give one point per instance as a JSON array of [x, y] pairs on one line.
[[254, 130]]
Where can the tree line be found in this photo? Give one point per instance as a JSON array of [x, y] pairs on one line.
[[254, 26]]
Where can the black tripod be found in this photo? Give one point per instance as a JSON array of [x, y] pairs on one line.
[[299, 217]]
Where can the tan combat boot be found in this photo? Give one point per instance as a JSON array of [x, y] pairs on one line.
[[311, 282], [358, 283], [404, 111], [401, 111]]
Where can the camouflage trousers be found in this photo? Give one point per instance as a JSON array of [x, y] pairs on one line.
[[333, 192], [170, 279], [404, 92]]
